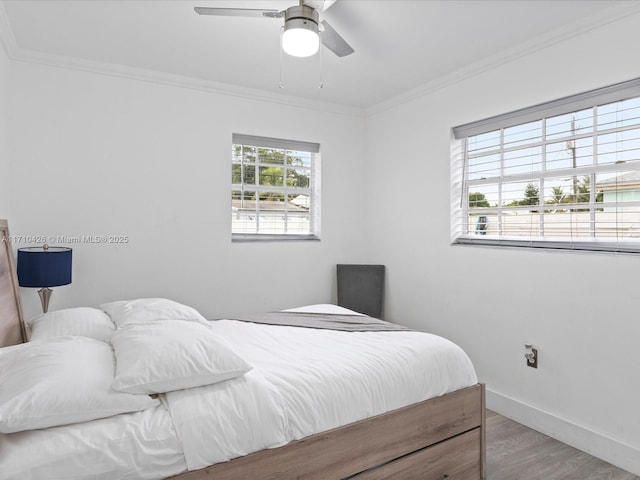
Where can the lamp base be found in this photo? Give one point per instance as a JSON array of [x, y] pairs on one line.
[[45, 295]]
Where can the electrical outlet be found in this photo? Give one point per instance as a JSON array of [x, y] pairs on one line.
[[531, 356]]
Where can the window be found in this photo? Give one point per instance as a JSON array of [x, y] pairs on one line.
[[274, 189], [564, 174]]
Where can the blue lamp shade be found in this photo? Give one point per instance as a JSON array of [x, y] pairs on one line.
[[44, 266]]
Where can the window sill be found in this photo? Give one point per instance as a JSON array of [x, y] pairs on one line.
[[260, 237], [609, 247]]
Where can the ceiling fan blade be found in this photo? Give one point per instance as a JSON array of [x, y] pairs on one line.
[[320, 5], [239, 12], [334, 42]]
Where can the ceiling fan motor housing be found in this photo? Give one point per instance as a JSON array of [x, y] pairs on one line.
[[301, 16]]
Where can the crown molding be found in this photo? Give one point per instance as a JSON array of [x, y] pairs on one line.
[[7, 38], [163, 78], [617, 11]]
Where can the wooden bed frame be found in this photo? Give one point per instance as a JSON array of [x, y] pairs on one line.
[[441, 438]]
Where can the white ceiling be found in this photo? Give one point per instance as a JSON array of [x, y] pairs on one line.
[[400, 45]]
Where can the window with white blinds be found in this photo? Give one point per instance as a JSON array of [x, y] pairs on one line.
[[564, 174], [274, 189]]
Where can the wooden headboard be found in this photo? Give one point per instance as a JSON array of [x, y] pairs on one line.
[[11, 322]]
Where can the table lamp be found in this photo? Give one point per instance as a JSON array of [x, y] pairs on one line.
[[44, 267]]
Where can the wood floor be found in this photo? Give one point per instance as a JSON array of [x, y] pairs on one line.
[[515, 452]]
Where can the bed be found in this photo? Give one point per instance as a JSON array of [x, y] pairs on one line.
[[387, 427]]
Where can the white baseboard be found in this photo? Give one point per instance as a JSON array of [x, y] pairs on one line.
[[600, 446]]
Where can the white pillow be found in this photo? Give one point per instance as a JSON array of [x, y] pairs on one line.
[[60, 381], [159, 357], [143, 310], [324, 308], [81, 322]]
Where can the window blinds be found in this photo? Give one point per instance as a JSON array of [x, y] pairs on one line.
[[563, 174], [275, 188], [278, 143]]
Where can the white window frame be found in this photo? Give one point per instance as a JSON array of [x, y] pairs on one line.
[[312, 191], [462, 184]]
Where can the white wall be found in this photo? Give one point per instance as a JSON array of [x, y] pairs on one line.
[[100, 155], [5, 76], [579, 310]]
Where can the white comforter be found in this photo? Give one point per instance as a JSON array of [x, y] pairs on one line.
[[304, 381]]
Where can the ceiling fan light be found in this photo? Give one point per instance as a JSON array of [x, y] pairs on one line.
[[300, 38]]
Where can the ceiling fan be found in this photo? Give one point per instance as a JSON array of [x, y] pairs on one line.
[[302, 31]]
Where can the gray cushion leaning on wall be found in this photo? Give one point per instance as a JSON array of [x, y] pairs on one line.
[[361, 288]]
